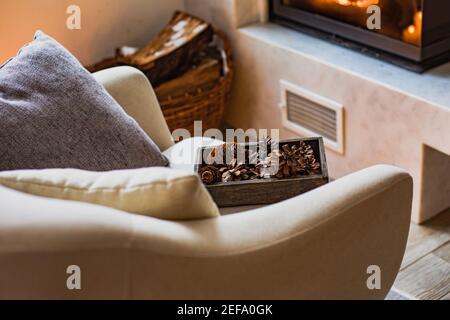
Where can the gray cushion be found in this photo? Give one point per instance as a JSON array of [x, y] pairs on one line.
[[54, 114]]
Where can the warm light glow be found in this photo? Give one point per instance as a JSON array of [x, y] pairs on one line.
[[419, 15], [410, 33], [356, 3], [413, 33], [344, 2]]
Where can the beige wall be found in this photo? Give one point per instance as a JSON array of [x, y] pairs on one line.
[[106, 24]]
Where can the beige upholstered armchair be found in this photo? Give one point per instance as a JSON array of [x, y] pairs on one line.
[[315, 246]]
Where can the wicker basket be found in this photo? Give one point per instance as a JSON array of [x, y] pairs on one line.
[[206, 105]]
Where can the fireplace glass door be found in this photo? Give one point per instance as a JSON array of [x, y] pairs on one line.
[[400, 19], [414, 34]]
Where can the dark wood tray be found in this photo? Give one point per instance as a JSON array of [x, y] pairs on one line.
[[266, 191]]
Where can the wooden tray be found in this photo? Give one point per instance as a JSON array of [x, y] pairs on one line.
[[266, 191]]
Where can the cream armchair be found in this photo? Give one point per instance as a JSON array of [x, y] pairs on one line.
[[316, 246]]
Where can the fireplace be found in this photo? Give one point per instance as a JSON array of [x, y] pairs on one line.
[[414, 34]]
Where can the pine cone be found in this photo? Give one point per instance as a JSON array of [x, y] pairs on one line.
[[210, 174], [237, 172], [310, 165], [224, 151], [294, 160]]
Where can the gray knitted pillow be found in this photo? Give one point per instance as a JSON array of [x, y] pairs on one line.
[[53, 114]]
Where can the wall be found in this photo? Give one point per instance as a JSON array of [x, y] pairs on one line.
[[106, 24], [229, 14]]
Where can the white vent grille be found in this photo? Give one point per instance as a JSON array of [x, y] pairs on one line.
[[312, 115]]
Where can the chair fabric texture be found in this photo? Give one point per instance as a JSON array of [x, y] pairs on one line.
[[158, 192]]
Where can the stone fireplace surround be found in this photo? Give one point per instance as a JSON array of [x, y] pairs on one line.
[[392, 115]]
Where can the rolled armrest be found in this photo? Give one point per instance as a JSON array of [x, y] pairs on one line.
[[359, 193], [318, 245]]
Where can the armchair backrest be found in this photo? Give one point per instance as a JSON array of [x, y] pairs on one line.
[[132, 90]]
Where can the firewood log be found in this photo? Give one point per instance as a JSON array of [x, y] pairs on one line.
[[106, 63], [201, 77], [171, 53]]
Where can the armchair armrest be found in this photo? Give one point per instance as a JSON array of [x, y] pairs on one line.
[[315, 246], [132, 90]]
